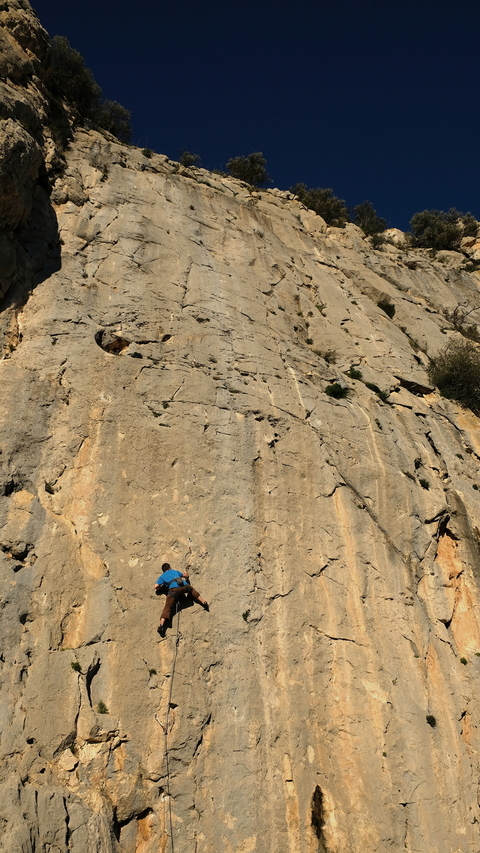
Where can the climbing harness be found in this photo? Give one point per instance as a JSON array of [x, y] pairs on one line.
[[165, 729]]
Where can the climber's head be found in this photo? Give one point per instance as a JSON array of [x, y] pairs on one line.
[[166, 567]]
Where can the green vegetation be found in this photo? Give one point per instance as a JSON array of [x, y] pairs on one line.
[[366, 217], [329, 355], [456, 372], [383, 395], [437, 229], [114, 118], [76, 666], [250, 169], [147, 152], [188, 159], [458, 318], [339, 392], [102, 708], [464, 661], [377, 241], [353, 373], [324, 203], [386, 305], [75, 83]]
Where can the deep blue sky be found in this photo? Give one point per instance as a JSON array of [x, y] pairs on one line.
[[377, 100]]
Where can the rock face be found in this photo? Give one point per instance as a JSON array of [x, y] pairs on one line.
[[164, 398]]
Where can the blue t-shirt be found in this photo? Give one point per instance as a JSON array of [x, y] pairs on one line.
[[171, 579]]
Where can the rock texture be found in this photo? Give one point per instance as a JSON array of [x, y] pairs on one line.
[[164, 398]]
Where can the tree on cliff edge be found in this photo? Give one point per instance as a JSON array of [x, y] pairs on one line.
[[440, 229], [250, 169], [324, 203], [76, 84]]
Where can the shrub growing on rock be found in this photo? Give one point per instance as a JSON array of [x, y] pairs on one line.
[[76, 84], [116, 119], [74, 81], [366, 217], [188, 159], [439, 229], [337, 391], [458, 318], [323, 202], [250, 169], [456, 372]]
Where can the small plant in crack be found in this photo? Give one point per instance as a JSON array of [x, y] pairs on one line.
[[464, 661], [329, 355], [245, 615], [76, 666], [424, 483], [354, 373], [152, 671], [382, 395], [102, 708], [321, 307], [337, 391], [431, 720]]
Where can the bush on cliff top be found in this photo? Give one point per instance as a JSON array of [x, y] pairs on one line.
[[324, 203], [250, 169], [366, 217], [76, 84], [439, 229]]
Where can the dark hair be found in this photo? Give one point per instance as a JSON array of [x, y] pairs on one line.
[[165, 567]]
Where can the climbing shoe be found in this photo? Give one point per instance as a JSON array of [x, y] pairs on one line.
[[206, 606], [162, 630]]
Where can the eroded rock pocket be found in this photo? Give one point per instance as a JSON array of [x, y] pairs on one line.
[[111, 342]]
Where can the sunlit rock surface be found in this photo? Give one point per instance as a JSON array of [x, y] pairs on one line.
[[164, 398]]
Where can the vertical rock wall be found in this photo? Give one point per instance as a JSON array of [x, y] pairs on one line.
[[165, 399]]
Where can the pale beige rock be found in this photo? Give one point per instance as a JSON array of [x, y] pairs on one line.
[[395, 236], [164, 398]]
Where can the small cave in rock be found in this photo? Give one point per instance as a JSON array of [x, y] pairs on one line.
[[9, 487], [111, 342], [318, 819]]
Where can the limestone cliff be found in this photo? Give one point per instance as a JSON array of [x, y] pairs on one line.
[[166, 355]]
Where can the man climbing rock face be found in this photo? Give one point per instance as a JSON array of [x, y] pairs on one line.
[[175, 585]]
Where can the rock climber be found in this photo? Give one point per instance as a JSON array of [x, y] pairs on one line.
[[174, 585]]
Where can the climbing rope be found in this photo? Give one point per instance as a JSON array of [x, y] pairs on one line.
[[165, 730]]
